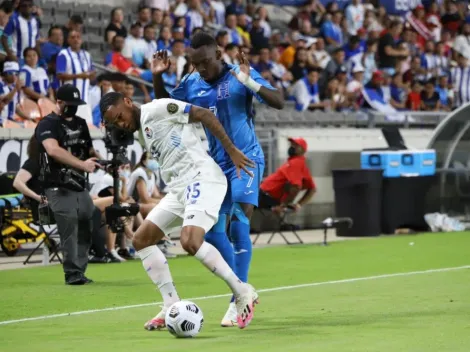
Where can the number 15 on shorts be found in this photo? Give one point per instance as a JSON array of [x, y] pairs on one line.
[[193, 192]]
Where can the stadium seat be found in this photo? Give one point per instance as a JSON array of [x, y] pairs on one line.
[[46, 106], [29, 108]]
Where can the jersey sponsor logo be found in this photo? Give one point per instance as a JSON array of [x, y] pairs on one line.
[[175, 140], [172, 108], [148, 132], [223, 91]]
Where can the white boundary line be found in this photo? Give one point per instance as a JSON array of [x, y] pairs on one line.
[[273, 289]]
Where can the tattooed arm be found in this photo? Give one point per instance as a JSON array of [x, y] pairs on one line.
[[208, 119]]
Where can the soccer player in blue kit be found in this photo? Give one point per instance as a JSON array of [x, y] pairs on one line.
[[228, 91]]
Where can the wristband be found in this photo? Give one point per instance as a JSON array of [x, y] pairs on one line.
[[249, 82]]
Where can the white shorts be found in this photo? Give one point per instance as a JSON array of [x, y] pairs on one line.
[[197, 205]]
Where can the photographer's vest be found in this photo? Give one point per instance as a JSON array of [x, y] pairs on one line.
[[54, 174]]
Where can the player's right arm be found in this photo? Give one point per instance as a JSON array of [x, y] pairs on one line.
[[208, 119]]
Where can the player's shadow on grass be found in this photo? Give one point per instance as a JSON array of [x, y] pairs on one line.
[[337, 319]]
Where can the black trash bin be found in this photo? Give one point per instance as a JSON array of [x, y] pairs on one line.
[[358, 195]]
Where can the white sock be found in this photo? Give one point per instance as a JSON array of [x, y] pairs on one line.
[[156, 266], [213, 260]]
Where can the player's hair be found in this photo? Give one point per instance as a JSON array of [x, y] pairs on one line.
[[108, 100], [202, 39]]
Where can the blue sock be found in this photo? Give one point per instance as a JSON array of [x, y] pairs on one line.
[[240, 234], [220, 241]]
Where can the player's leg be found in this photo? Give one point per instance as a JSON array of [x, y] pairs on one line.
[[217, 235], [192, 241], [154, 261], [245, 193], [201, 213]]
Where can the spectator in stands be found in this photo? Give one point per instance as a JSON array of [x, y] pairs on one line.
[[460, 80], [414, 96], [231, 27], [149, 37], [243, 29], [75, 67], [332, 32], [196, 15], [306, 92], [230, 54], [161, 5], [6, 10], [264, 21], [353, 48], [375, 84], [388, 50], [102, 87], [118, 84], [335, 65], [257, 37], [430, 100], [281, 76], [23, 28], [398, 92], [53, 45], [280, 189], [355, 13], [302, 63], [222, 39], [129, 90], [134, 47], [236, 7], [164, 41], [355, 86], [142, 186], [177, 33], [442, 60], [157, 19], [75, 23], [334, 96], [115, 25], [288, 55], [451, 20], [445, 94], [320, 55], [178, 51], [144, 17], [429, 60], [34, 78], [10, 90], [415, 73]]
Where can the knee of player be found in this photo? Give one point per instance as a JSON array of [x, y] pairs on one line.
[[242, 212], [191, 239], [142, 240]]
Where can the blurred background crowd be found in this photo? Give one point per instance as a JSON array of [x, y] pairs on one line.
[[325, 57]]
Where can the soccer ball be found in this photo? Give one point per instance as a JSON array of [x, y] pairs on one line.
[[184, 319]]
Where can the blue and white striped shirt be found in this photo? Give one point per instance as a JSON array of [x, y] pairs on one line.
[[71, 62], [8, 111], [24, 33], [35, 78], [460, 79]]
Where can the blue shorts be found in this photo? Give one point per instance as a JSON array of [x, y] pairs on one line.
[[244, 189]]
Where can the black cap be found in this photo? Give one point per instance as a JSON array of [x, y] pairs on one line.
[[70, 95]]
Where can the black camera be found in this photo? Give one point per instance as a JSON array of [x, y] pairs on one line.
[[117, 138], [116, 141]]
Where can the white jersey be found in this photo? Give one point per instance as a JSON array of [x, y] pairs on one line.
[[175, 144]]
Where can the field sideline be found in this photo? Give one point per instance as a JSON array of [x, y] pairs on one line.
[[380, 294]]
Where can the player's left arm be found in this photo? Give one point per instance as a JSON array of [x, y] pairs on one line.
[[251, 79]]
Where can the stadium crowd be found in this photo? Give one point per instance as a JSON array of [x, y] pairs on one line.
[[331, 59]]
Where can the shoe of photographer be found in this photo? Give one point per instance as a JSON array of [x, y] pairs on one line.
[[124, 253], [75, 281], [165, 251], [93, 259]]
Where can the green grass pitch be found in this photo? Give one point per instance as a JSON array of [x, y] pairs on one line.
[[415, 311]]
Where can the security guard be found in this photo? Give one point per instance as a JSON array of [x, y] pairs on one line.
[[66, 158]]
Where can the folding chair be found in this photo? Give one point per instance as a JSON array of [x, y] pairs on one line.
[[283, 225], [331, 223], [48, 241]]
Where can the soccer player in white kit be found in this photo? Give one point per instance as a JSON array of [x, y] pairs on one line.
[[197, 188]]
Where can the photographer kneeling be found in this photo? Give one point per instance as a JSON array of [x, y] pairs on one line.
[[66, 152]]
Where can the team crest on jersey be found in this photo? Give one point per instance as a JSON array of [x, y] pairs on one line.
[[172, 108], [148, 132], [223, 91]]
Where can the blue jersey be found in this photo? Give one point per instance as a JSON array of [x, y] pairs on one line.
[[231, 102]]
